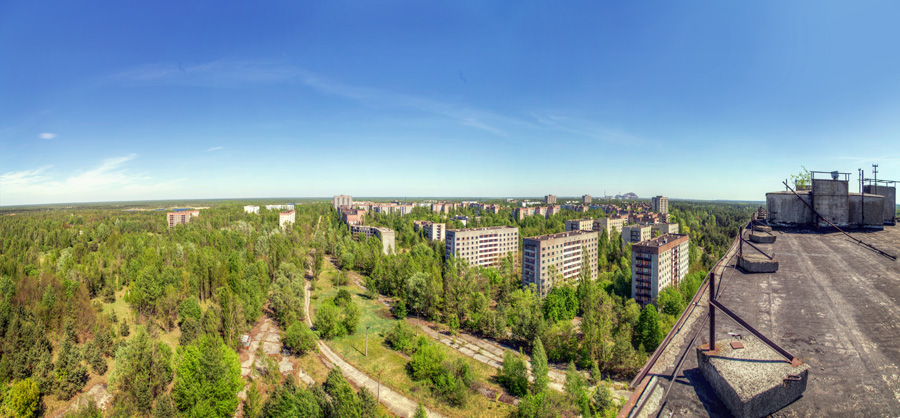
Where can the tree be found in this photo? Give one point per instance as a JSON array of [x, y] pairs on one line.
[[71, 375], [22, 401], [368, 405], [328, 322], [670, 301], [142, 372], [343, 398], [401, 338], [165, 409], [351, 317], [576, 388], [299, 339], [254, 401], [207, 380], [649, 334], [539, 367], [514, 374], [601, 400]]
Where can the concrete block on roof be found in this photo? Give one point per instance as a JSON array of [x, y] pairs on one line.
[[754, 381], [752, 263], [762, 238]]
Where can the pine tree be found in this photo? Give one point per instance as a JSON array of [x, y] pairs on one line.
[[539, 367]]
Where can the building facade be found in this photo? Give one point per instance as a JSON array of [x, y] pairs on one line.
[[550, 199], [548, 260], [482, 246], [433, 231], [280, 207], [341, 201], [610, 224], [586, 200], [285, 218], [251, 209], [657, 264], [181, 217], [586, 224], [665, 228], [634, 234], [660, 204], [386, 235]]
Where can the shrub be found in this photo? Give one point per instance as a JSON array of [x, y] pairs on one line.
[[328, 322], [299, 339], [514, 374], [401, 338]]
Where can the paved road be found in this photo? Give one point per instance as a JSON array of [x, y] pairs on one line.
[[397, 403]]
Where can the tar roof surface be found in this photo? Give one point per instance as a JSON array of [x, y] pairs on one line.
[[833, 304]]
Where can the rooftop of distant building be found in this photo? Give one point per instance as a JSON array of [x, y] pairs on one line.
[[560, 235]]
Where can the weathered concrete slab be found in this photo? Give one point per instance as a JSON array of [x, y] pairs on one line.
[[285, 366], [762, 228], [752, 263], [753, 381], [271, 348], [762, 238]]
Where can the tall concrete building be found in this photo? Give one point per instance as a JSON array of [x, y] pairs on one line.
[[280, 207], [660, 204], [609, 224], [548, 260], [181, 217], [634, 234], [251, 209], [341, 200], [482, 246], [386, 235], [433, 231], [550, 199], [665, 228], [285, 218], [586, 224], [657, 264], [586, 200]]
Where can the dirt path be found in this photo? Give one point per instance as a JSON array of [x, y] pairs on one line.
[[395, 402], [267, 334]]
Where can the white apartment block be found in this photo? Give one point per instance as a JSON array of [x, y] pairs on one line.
[[665, 228], [433, 231], [386, 235], [181, 217], [660, 204], [251, 209], [279, 207], [657, 264], [285, 218], [586, 224], [341, 200], [482, 246], [634, 234], [610, 224], [547, 259]]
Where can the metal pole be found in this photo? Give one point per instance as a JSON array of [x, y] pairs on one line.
[[367, 341], [712, 312]]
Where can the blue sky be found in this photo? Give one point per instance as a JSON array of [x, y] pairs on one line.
[[708, 100]]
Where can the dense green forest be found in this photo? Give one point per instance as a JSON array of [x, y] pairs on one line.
[[99, 294]]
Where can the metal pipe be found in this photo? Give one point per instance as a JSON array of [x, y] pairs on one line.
[[752, 330], [712, 312]]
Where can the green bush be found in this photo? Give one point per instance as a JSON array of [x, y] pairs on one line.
[[401, 338], [299, 339], [328, 322], [514, 374]]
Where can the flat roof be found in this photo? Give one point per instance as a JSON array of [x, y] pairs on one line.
[[486, 228], [560, 235], [832, 303]]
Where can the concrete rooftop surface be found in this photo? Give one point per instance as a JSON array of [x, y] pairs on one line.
[[833, 303]]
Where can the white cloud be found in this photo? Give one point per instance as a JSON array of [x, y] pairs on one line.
[[110, 180], [214, 149], [47, 135]]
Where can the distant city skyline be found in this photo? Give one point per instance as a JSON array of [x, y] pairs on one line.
[[706, 101]]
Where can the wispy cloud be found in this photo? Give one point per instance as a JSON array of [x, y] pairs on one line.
[[47, 135], [108, 180], [214, 149], [235, 73]]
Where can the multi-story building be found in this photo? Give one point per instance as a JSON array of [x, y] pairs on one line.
[[341, 200], [660, 204], [553, 210], [352, 216], [482, 246], [634, 234], [280, 207], [548, 260], [657, 264], [586, 224], [251, 209], [609, 224], [392, 208], [181, 217], [665, 228], [285, 218], [386, 235], [550, 199], [586, 200], [433, 231], [463, 219]]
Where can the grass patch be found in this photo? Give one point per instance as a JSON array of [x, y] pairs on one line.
[[389, 366]]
